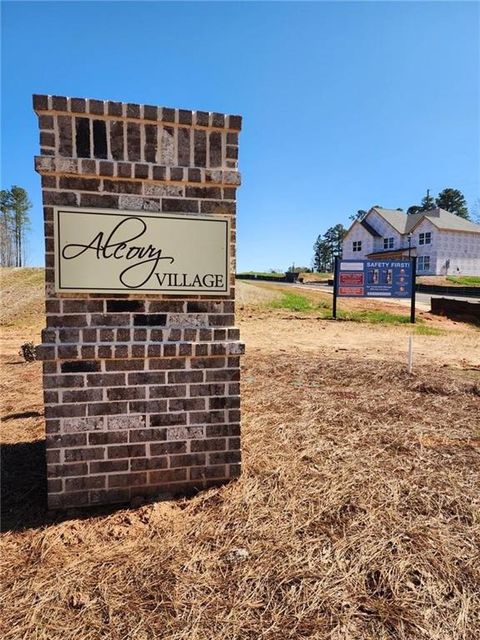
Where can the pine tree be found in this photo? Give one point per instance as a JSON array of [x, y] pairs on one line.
[[7, 245], [454, 201], [14, 223], [327, 246], [428, 202]]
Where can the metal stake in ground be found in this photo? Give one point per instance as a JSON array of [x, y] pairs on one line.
[[410, 354], [335, 287]]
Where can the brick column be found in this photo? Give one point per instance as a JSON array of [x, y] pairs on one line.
[[141, 392]]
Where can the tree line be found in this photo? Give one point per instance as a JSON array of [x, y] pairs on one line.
[[328, 245], [14, 225]]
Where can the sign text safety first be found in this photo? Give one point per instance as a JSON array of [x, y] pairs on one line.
[[375, 279]]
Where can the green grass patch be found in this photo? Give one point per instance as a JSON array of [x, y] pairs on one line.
[[372, 316], [466, 281], [296, 302], [423, 330]]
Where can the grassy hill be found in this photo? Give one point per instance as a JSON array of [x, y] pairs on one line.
[[22, 295]]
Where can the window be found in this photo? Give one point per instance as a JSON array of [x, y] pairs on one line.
[[423, 263], [425, 238], [388, 243], [357, 245]]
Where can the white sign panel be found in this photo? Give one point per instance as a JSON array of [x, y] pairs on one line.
[[108, 251]]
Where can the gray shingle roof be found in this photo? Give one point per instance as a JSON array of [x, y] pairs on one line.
[[442, 219]]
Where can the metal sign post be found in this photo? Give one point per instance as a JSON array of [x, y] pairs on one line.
[[414, 286], [335, 287]]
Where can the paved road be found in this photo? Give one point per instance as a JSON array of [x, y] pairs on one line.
[[422, 299]]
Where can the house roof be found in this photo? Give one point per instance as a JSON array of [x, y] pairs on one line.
[[442, 219], [370, 229], [445, 220]]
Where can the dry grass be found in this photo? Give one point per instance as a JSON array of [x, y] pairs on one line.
[[22, 298], [357, 511], [356, 518], [248, 294]]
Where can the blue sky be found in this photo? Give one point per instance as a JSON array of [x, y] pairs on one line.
[[345, 105]]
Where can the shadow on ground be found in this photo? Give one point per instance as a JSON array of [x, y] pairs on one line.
[[22, 414], [23, 494], [23, 485]]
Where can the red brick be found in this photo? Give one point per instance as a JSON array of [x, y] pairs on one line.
[[146, 377], [89, 482], [126, 451], [127, 479], [138, 350], [65, 411], [79, 183], [126, 393], [66, 440], [105, 379], [169, 350], [73, 499], [110, 437], [207, 363], [168, 391], [67, 470], [168, 475], [54, 485], [218, 430], [77, 455], [122, 186], [185, 376], [190, 404], [167, 363], [164, 448], [125, 365], [146, 464], [187, 460], [107, 466], [147, 435], [107, 408], [206, 417], [147, 406], [97, 200], [212, 444], [222, 375], [82, 395], [168, 419], [224, 457], [200, 473], [207, 389]]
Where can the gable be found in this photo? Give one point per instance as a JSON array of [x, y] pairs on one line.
[[381, 225], [357, 231]]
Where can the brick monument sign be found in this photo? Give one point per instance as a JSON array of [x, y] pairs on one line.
[[140, 351]]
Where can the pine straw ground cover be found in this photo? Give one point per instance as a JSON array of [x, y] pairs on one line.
[[356, 518]]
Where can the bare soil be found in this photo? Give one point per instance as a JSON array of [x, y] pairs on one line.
[[356, 516]]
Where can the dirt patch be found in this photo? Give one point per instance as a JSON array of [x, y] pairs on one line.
[[272, 330]]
